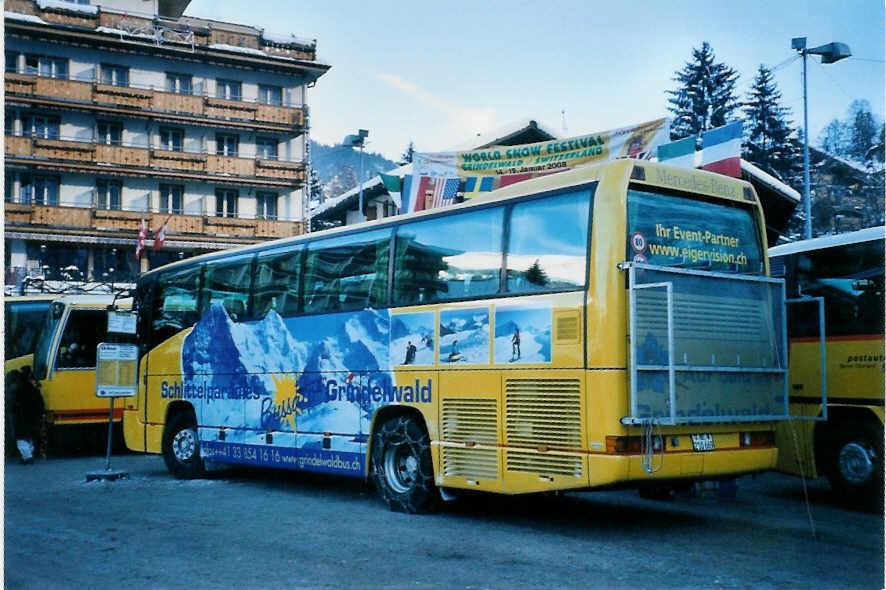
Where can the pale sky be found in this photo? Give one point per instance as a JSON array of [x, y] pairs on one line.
[[439, 73]]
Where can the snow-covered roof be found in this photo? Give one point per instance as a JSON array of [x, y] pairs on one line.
[[27, 18], [769, 180], [862, 235], [283, 39], [860, 168], [67, 6], [370, 185]]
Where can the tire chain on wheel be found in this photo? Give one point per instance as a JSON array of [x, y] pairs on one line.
[[421, 496]]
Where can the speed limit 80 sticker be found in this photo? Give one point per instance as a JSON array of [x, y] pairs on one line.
[[638, 242]]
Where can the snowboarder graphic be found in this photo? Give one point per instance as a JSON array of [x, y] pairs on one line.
[[515, 344], [410, 353], [454, 354]]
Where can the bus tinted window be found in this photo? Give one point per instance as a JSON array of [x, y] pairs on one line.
[[23, 322], [850, 278], [547, 243], [175, 302], [350, 272], [452, 257], [228, 282], [675, 231], [83, 331], [277, 276]]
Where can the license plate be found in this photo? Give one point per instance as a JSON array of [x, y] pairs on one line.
[[702, 442]]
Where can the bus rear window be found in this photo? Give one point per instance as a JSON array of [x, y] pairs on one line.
[[665, 230]]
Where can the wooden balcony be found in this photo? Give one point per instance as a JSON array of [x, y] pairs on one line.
[[190, 108], [38, 217], [141, 161]]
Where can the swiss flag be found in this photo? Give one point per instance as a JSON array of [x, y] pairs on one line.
[[142, 234], [160, 236]]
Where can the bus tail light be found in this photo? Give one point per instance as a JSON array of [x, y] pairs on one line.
[[757, 438], [631, 445]]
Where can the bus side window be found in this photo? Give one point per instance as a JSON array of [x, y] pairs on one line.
[[227, 283], [450, 257], [547, 243], [82, 334], [347, 273], [175, 303], [277, 276]]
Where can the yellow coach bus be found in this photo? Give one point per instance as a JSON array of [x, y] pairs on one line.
[[612, 325], [835, 290]]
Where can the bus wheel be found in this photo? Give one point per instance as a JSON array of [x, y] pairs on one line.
[[181, 447], [856, 464], [402, 467]]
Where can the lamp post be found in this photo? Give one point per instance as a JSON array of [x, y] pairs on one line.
[[830, 53], [358, 140]]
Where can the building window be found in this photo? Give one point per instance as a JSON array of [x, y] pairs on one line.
[[9, 123], [266, 205], [115, 75], [108, 194], [109, 132], [270, 94], [225, 203], [266, 148], [11, 61], [229, 89], [172, 139], [48, 67], [39, 190], [9, 188], [226, 145], [178, 83], [171, 198], [42, 126]]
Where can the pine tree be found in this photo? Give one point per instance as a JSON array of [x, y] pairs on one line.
[[770, 142], [315, 188], [406, 156], [863, 130], [535, 275], [705, 97]]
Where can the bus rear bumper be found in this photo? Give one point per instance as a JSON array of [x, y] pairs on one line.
[[606, 470]]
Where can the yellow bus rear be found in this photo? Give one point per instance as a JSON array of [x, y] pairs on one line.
[[608, 326]]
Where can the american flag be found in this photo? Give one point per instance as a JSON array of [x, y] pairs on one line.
[[445, 190]]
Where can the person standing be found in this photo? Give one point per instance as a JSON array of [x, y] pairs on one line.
[[515, 343]]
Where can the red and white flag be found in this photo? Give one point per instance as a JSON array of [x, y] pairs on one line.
[[142, 234], [160, 236]]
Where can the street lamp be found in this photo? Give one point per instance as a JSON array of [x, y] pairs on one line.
[[830, 53], [358, 140]]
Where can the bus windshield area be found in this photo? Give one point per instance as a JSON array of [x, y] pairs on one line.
[[23, 323], [666, 230]]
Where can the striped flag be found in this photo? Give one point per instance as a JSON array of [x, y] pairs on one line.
[[393, 186], [445, 190], [142, 234], [721, 150], [679, 153]]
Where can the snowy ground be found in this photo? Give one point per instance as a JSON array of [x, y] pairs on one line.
[[267, 529]]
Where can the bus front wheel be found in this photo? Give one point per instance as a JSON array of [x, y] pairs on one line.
[[181, 447], [402, 468], [855, 466]]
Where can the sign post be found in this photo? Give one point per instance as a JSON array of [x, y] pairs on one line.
[[115, 376]]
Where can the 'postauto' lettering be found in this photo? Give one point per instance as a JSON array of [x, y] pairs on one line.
[[396, 393]]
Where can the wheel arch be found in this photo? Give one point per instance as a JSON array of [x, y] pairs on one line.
[[381, 416], [838, 418], [179, 407]]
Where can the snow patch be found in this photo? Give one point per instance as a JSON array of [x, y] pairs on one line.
[[27, 18], [67, 6]]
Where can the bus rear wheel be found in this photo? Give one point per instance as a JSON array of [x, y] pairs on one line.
[[855, 466], [181, 447], [402, 468]]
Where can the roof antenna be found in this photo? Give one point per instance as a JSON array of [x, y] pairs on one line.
[[563, 115]]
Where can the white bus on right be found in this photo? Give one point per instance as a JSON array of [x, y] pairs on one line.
[[834, 291]]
